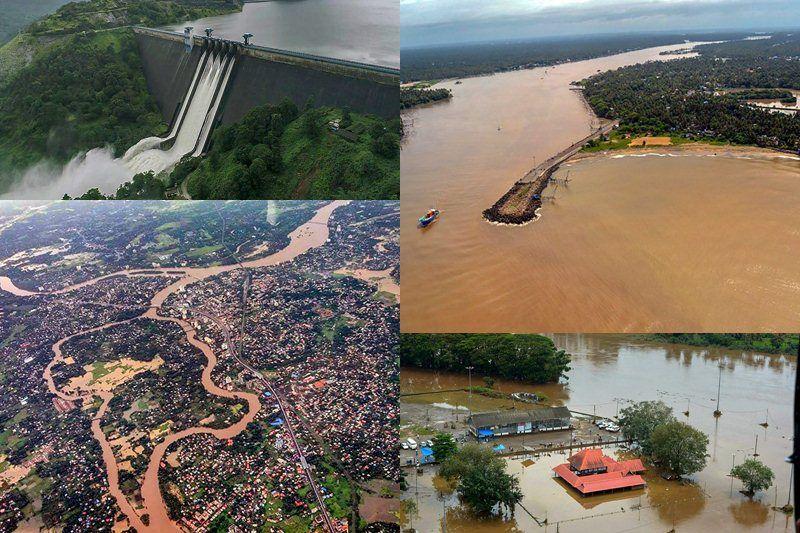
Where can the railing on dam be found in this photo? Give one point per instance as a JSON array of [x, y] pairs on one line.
[[278, 52]]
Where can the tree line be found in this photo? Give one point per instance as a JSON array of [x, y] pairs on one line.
[[414, 96], [532, 358], [473, 59], [785, 343]]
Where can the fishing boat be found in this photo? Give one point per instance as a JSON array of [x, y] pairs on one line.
[[430, 217]]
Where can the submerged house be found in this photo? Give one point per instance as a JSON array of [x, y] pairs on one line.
[[485, 426], [591, 472]]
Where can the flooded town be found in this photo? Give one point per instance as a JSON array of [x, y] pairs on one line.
[[198, 366], [544, 432]]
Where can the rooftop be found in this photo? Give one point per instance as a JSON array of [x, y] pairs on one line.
[[504, 418]]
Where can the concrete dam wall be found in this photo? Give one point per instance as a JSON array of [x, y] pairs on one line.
[[264, 76]]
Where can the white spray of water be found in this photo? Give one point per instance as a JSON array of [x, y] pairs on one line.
[[98, 167]]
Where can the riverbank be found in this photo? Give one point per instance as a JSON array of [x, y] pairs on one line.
[[687, 148]]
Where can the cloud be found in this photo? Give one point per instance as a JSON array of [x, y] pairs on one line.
[[440, 21]]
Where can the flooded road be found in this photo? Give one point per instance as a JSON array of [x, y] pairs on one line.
[[621, 249], [312, 234], [606, 371], [366, 31]]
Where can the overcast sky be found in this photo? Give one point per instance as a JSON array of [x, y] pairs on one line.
[[425, 22]]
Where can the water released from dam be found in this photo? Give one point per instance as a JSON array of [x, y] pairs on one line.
[[687, 241], [99, 168]]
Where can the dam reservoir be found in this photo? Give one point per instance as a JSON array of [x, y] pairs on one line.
[[607, 371], [366, 31], [669, 239]]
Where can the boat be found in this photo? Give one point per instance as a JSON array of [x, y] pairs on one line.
[[430, 217]]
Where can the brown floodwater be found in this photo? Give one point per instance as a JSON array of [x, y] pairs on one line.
[[631, 244], [606, 371], [312, 234]]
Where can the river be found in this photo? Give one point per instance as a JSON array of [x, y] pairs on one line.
[[628, 245], [312, 234], [611, 368], [367, 31]]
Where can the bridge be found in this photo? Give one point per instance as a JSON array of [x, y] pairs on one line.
[[520, 204]]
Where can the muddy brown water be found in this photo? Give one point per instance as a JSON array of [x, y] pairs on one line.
[[607, 368], [312, 234], [633, 244]]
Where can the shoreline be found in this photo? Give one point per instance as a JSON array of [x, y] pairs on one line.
[[691, 148]]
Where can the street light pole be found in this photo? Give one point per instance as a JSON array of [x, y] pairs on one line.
[[469, 396]]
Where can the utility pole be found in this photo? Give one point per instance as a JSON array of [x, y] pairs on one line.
[[717, 412], [469, 396], [755, 450], [791, 475]]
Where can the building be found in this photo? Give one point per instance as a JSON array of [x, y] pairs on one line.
[[500, 423], [590, 472]]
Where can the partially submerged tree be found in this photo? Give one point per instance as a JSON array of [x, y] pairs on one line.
[[679, 448], [487, 486], [639, 421], [444, 446], [754, 474], [483, 483], [458, 465]]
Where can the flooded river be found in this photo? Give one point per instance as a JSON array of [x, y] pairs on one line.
[[357, 30], [312, 234], [606, 371], [628, 245]]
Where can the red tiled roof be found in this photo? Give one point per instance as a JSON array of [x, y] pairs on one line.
[[587, 459], [598, 482]]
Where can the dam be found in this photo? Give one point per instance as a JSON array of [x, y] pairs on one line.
[[200, 82], [263, 75]]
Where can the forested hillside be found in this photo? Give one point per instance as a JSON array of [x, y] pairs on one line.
[[85, 92], [531, 358], [103, 14], [278, 152], [687, 97]]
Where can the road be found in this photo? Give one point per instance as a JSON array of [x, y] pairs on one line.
[[566, 153], [281, 405]]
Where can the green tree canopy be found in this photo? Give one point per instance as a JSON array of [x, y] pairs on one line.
[[459, 464], [754, 474], [639, 421], [531, 358], [679, 448], [487, 485], [444, 446]]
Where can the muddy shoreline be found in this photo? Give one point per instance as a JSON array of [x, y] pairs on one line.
[[699, 148]]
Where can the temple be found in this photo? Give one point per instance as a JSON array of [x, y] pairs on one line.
[[590, 472]]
